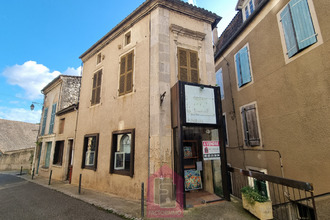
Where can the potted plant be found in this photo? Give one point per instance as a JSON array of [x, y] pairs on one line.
[[257, 204]]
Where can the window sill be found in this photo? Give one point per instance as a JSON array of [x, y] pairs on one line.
[[122, 172], [89, 168], [57, 165]]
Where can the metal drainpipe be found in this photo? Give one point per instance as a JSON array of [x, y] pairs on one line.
[[234, 113]]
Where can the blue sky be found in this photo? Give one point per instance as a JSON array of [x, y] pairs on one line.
[[41, 39]]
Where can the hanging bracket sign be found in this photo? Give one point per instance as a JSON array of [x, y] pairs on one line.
[[211, 150]]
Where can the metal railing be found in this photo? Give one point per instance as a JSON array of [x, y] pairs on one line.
[[291, 199]]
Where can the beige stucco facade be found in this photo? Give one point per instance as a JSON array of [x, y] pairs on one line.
[[62, 94], [291, 96], [157, 29]]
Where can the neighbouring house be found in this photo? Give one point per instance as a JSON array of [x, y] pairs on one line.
[[17, 143], [272, 64], [57, 127], [124, 133]]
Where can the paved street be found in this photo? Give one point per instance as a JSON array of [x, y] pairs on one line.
[[21, 199]]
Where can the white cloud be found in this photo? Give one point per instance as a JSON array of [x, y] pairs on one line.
[[72, 71], [20, 114], [32, 77], [193, 2]]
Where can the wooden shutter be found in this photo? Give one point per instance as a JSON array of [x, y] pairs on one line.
[[44, 120], [289, 33], [96, 91], [250, 125], [194, 75], [238, 69], [52, 119], [183, 65], [129, 74], [245, 65], [126, 73], [302, 22], [188, 65]]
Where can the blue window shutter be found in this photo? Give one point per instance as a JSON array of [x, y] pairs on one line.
[[238, 69], [302, 23], [245, 65], [49, 147], [52, 119], [44, 120], [289, 33], [219, 80], [251, 6]]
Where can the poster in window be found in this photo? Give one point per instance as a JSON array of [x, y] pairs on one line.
[[192, 180], [119, 160], [187, 152]]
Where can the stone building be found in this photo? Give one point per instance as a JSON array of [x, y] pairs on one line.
[[272, 62], [124, 133], [17, 143], [57, 127]]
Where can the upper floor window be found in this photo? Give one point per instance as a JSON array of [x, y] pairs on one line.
[[250, 125], [128, 38], [219, 80], [61, 126], [96, 91], [126, 73], [248, 8], [44, 120], [98, 58], [298, 28], [52, 119], [188, 65], [243, 68]]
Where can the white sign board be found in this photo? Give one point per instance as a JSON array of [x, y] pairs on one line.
[[211, 150], [200, 105]]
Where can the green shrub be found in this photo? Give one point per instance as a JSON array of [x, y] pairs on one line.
[[252, 195]]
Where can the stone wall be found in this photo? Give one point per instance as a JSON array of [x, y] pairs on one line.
[[15, 159]]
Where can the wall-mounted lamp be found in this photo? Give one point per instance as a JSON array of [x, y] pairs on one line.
[[32, 105]]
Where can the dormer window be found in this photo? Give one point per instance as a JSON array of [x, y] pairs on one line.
[[248, 8]]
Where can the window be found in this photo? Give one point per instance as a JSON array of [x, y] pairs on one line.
[[188, 65], [298, 28], [47, 157], [248, 9], [219, 80], [96, 92], [243, 68], [98, 58], [90, 150], [250, 125], [127, 38], [44, 120], [52, 119], [126, 73], [61, 127], [58, 153], [122, 154], [260, 185]]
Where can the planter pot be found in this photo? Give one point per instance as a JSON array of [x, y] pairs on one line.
[[260, 210]]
